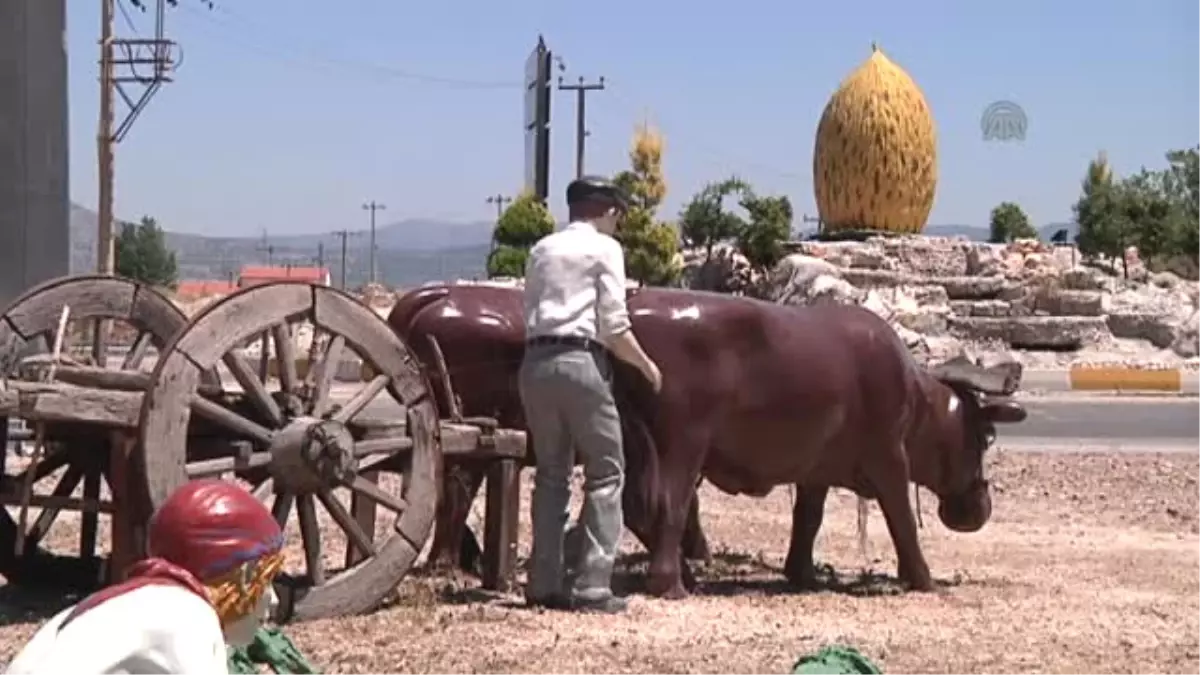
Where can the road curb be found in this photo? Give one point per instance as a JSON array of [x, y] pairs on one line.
[[1113, 379]]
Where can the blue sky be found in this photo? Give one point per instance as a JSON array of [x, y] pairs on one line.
[[288, 114]]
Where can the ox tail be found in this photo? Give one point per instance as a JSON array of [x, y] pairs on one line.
[[406, 309]]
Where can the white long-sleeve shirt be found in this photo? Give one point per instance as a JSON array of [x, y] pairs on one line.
[[152, 629], [575, 285]]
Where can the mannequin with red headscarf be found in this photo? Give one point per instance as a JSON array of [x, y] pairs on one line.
[[214, 551]]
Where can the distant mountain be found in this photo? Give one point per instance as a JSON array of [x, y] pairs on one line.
[[410, 252]]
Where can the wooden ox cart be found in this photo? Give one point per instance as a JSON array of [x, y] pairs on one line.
[[281, 425]]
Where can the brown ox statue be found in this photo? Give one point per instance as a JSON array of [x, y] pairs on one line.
[[757, 395], [481, 334]]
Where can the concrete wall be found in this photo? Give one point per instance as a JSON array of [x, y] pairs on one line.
[[34, 195]]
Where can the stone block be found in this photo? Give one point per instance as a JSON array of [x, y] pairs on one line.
[[1035, 332]]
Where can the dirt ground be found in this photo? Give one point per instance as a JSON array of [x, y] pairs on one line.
[[1090, 563]]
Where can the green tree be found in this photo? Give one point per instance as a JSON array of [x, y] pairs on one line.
[[768, 228], [520, 226], [1102, 228], [1008, 222], [141, 253], [1151, 220], [651, 247], [705, 222]]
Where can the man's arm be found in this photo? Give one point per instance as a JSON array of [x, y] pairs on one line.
[[614, 327]]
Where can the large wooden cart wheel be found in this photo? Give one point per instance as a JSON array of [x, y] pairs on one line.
[[298, 442], [143, 320]]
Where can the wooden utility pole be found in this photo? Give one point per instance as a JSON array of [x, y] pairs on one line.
[[146, 62], [500, 201], [373, 206], [581, 89]]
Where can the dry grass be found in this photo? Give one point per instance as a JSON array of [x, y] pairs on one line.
[[1090, 563]]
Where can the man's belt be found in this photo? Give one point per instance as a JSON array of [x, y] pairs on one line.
[[572, 341]]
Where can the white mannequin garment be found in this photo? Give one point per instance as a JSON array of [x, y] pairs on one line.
[[152, 629]]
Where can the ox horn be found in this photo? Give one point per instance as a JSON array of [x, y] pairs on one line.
[[1001, 379]]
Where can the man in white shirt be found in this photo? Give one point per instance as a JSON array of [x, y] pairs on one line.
[[574, 308], [215, 550]]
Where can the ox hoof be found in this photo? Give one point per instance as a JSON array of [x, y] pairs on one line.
[[920, 583], [667, 589], [805, 580]]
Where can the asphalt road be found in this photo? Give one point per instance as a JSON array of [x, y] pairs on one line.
[[1070, 423]]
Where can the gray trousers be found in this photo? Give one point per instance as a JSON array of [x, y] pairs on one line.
[[568, 401]]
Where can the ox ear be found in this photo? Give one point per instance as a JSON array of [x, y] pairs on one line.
[[1001, 379], [1004, 411]]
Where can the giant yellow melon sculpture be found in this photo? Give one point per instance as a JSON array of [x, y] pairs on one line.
[[875, 160]]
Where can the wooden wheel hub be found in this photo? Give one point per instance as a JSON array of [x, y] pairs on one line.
[[311, 454]]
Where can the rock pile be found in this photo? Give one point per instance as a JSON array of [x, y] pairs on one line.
[[944, 294]]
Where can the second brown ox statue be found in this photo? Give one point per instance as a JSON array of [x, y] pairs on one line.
[[757, 395]]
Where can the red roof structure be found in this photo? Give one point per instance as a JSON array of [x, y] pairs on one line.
[[201, 288], [260, 274]]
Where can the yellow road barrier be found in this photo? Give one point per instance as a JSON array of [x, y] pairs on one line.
[[1125, 379]]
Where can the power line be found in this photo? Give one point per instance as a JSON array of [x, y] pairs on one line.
[[373, 206], [581, 90], [313, 56]]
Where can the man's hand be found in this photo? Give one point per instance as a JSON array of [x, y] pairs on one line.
[[653, 374]]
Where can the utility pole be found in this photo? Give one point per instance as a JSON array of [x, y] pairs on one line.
[[373, 206], [344, 235], [320, 254], [500, 201], [143, 62], [267, 247], [581, 89]]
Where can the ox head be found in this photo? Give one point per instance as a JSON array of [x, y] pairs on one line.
[[972, 400]]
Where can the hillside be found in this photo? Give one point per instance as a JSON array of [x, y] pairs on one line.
[[410, 251]]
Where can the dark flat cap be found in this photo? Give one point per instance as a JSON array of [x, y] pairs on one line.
[[596, 188]]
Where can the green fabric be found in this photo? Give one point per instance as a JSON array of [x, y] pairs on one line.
[[835, 660], [271, 648]]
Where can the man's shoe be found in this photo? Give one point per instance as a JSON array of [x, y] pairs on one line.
[[609, 604]]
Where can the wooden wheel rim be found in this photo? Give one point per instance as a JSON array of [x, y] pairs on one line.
[[35, 314], [206, 340]]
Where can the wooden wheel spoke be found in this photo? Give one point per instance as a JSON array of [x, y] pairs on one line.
[[232, 421], [137, 352], [322, 375], [264, 356], [311, 534], [219, 465], [360, 400], [285, 356], [390, 445], [66, 485], [90, 526], [49, 464], [358, 538], [281, 507], [370, 490], [255, 390]]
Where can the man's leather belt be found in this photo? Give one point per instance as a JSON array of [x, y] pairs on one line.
[[575, 341]]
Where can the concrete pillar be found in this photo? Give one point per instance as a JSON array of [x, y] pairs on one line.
[[34, 196]]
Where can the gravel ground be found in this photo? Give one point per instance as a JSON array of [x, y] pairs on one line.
[[1089, 564]]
